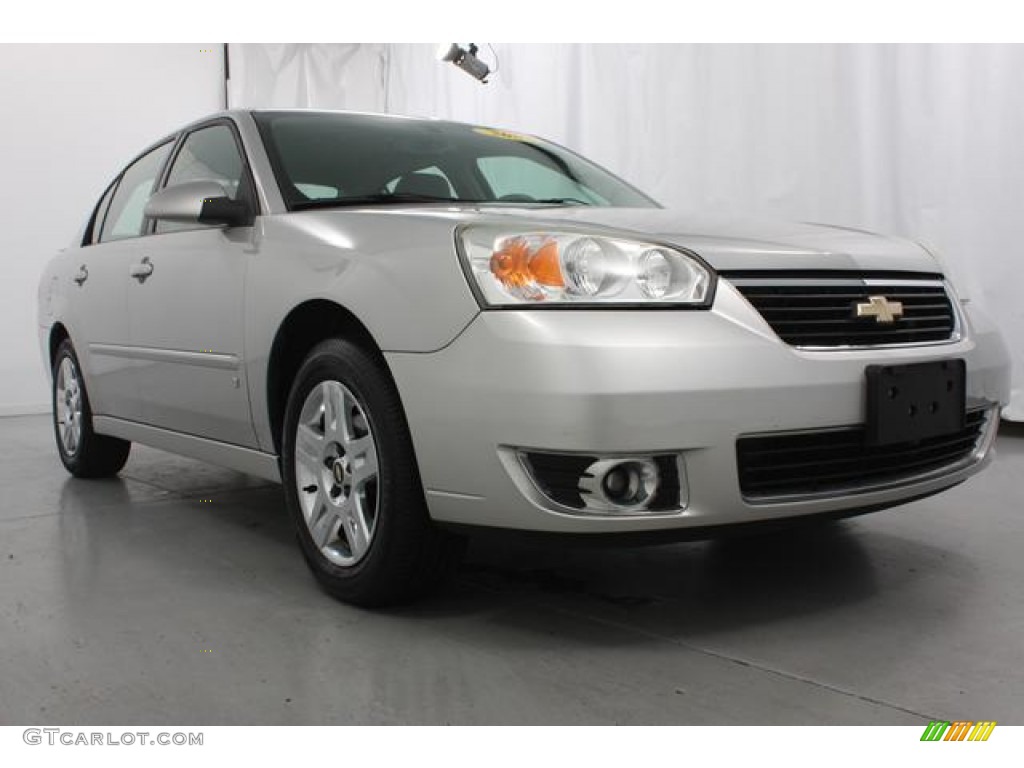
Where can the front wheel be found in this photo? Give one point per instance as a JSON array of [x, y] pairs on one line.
[[352, 485], [82, 451]]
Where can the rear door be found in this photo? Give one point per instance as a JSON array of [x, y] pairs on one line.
[[100, 281], [187, 314]]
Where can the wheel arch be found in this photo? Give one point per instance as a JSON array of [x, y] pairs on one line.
[[305, 326], [58, 333]]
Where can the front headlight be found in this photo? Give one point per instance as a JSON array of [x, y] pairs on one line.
[[541, 268]]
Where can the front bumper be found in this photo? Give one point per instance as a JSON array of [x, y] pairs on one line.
[[621, 382]]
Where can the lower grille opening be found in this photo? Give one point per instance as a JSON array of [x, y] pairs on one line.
[[835, 460]]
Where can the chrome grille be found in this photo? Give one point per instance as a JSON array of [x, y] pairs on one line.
[[821, 311]]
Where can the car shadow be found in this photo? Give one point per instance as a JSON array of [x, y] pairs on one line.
[[692, 588], [713, 585], [1010, 432]]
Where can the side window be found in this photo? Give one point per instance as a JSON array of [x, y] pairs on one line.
[[209, 154], [317, 191], [99, 214], [125, 215], [519, 178]]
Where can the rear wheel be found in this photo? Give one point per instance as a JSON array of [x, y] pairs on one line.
[[82, 451], [352, 485]]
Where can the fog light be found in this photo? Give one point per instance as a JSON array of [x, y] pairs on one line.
[[619, 484], [605, 485]]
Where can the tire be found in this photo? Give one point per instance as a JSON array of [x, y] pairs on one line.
[[352, 485], [83, 453]]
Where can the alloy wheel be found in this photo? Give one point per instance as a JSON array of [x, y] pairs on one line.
[[336, 473], [68, 406]]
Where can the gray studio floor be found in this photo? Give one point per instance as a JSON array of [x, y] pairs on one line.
[[175, 595]]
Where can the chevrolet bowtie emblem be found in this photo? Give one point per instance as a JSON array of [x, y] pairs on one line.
[[880, 308]]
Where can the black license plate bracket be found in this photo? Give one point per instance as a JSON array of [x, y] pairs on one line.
[[908, 403]]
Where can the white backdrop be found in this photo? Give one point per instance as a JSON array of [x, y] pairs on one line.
[[73, 116], [922, 141]]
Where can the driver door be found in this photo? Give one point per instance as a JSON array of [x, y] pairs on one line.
[[187, 308]]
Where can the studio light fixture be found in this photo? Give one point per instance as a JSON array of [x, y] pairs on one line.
[[465, 59]]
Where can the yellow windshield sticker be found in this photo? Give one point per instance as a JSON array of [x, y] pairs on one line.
[[507, 135]]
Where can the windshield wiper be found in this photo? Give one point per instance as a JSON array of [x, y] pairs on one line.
[[380, 198], [564, 201]]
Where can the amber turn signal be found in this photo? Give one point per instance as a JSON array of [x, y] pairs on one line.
[[518, 263]]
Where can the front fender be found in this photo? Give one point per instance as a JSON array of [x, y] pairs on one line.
[[397, 273]]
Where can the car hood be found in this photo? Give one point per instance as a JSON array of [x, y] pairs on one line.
[[729, 244]]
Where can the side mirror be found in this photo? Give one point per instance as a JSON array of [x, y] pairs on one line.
[[203, 202]]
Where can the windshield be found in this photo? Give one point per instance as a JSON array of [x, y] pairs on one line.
[[324, 160]]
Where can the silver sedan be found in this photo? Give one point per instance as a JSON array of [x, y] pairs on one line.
[[423, 328]]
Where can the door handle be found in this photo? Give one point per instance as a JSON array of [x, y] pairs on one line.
[[142, 270], [82, 276]]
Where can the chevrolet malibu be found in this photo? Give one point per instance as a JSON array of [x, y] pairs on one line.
[[423, 328]]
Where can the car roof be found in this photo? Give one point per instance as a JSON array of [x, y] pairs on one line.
[[242, 113]]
